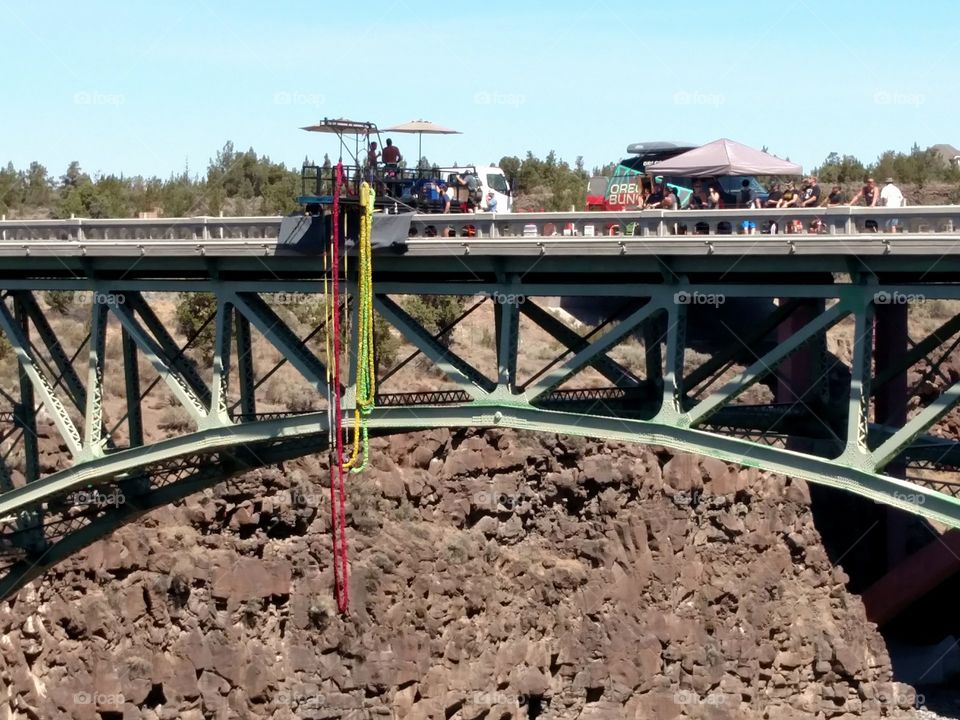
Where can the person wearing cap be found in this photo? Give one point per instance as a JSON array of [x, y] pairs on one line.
[[491, 205], [790, 197], [890, 196]]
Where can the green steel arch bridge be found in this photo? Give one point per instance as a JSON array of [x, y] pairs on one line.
[[768, 394]]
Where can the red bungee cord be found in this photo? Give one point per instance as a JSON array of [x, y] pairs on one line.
[[338, 493]]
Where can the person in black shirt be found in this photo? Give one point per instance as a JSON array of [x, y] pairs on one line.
[[774, 197], [656, 198], [697, 200], [811, 193], [869, 192], [835, 197], [748, 196], [790, 197]]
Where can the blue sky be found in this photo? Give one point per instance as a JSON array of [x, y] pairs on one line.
[[145, 88]]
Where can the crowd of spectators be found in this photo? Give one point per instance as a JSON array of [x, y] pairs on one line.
[[783, 194]]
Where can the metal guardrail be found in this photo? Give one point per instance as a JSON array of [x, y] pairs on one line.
[[933, 245], [198, 229], [663, 223], [938, 219]]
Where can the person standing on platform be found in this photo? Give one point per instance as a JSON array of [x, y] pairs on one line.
[[391, 154]]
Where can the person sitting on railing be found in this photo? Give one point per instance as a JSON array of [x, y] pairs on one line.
[[811, 193], [748, 196], [774, 197], [663, 197], [655, 198], [835, 198], [791, 198], [670, 199], [714, 199], [698, 200]]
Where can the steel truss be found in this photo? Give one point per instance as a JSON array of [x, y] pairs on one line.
[[821, 435]]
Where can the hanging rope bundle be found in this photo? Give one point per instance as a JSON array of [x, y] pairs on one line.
[[338, 518], [366, 371]]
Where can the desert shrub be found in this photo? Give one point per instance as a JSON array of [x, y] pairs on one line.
[[176, 419], [435, 312], [193, 310], [386, 344], [60, 301], [301, 398]]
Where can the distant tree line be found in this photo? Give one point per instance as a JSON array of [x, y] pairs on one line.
[[918, 168], [244, 183], [548, 184], [235, 183]]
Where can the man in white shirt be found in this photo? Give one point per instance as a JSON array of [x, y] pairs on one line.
[[890, 196]]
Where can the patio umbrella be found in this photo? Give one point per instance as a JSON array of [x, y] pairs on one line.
[[421, 128]]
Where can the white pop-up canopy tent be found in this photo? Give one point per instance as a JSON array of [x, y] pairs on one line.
[[723, 157]]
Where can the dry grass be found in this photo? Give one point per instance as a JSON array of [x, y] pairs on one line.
[[175, 419]]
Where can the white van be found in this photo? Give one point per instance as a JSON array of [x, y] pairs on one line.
[[492, 179]]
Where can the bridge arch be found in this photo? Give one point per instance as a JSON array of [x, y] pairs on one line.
[[173, 469]]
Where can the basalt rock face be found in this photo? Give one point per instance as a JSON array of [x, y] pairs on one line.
[[493, 575]]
